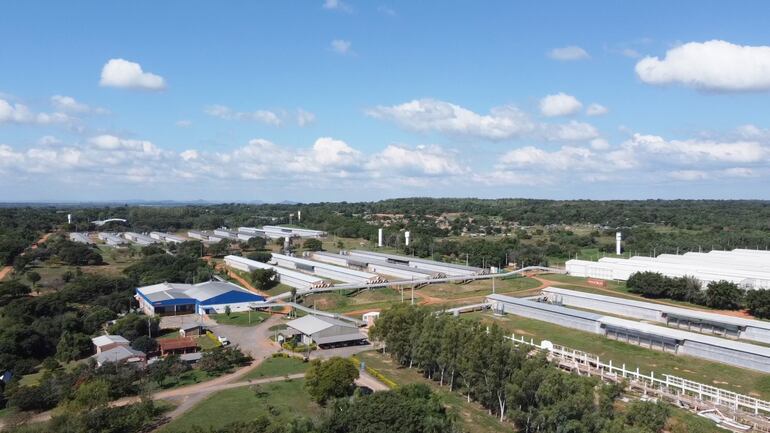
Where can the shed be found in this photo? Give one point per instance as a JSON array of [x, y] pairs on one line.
[[326, 331]]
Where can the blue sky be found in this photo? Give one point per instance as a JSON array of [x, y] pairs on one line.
[[347, 100]]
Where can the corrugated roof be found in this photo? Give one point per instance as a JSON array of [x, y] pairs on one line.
[[104, 340], [546, 307], [201, 291], [310, 324], [117, 354], [686, 312]]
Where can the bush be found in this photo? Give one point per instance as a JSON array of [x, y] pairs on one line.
[[144, 344], [221, 360], [758, 303], [313, 244], [329, 379], [724, 295]]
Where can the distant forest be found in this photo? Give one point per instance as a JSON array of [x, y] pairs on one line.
[[535, 229]]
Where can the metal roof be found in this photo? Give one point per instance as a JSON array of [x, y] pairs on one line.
[[104, 340], [417, 260], [686, 312], [117, 354], [317, 264], [310, 324], [546, 307], [200, 292]]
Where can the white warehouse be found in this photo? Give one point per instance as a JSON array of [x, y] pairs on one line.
[[166, 237], [327, 270], [289, 277], [139, 239], [748, 268]]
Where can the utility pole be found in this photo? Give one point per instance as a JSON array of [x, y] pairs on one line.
[[412, 294], [493, 285]]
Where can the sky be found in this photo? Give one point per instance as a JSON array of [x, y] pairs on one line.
[[332, 100]]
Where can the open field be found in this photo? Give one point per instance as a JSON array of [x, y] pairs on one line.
[[277, 366], [280, 400], [724, 376], [479, 288]]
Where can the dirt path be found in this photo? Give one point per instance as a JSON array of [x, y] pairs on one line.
[[6, 270]]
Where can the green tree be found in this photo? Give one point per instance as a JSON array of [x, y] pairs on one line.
[[228, 311], [91, 395], [313, 244], [724, 295], [33, 278], [758, 303], [263, 279], [72, 346], [144, 344], [647, 415], [329, 379]]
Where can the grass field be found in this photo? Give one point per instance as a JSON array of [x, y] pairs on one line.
[[712, 373], [480, 288], [278, 366], [241, 318], [280, 400]]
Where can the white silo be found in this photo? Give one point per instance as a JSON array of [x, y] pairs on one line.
[[406, 238], [379, 238], [618, 239]]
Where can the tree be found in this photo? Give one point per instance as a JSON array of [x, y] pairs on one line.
[[329, 379], [649, 416], [724, 295], [260, 256], [91, 395], [222, 359], [758, 303], [313, 244], [263, 279], [228, 311], [33, 278], [144, 344], [72, 346]]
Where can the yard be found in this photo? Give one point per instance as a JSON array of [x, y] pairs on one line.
[[711, 373], [245, 318], [282, 400], [277, 366]]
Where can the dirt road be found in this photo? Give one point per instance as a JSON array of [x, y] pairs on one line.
[[6, 270]]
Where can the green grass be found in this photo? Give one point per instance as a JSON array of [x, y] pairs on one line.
[[693, 423], [187, 378], [473, 417], [479, 288], [711, 373], [287, 400], [34, 378], [241, 318], [278, 366]]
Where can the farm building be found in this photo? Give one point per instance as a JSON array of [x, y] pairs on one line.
[[139, 239], [166, 237], [112, 239], [325, 331], [748, 268], [207, 237], [177, 346], [677, 317], [253, 231], [81, 238], [448, 269], [202, 298], [293, 231], [326, 270], [114, 348], [289, 277], [226, 234], [376, 265], [676, 341]]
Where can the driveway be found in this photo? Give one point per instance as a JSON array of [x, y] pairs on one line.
[[254, 340]]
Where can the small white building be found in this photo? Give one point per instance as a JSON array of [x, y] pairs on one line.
[[370, 317], [326, 331]]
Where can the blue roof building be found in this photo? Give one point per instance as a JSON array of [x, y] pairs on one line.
[[202, 298]]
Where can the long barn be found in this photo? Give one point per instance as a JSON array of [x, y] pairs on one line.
[[290, 277], [655, 337], [326, 270]]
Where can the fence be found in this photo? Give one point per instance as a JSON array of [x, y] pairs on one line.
[[666, 383]]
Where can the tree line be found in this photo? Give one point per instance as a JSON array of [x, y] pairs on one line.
[[477, 361]]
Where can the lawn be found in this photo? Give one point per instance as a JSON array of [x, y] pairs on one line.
[[711, 373], [241, 318], [278, 366], [280, 400], [480, 288], [473, 417]]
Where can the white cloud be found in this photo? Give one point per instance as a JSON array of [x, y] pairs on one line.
[[183, 123], [422, 160], [341, 46], [630, 53], [688, 175], [571, 131], [262, 116], [189, 155], [566, 158], [20, 113], [560, 104], [48, 140], [304, 118], [337, 5], [431, 115], [596, 110], [327, 154], [114, 143], [712, 65], [71, 105], [125, 74], [693, 151], [568, 53], [600, 144]]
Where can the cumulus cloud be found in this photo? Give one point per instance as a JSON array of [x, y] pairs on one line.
[[570, 131], [713, 65], [340, 46], [560, 104], [694, 151], [304, 117], [596, 110], [71, 105], [431, 115], [125, 74], [183, 123], [568, 53], [421, 160], [20, 114], [262, 116]]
